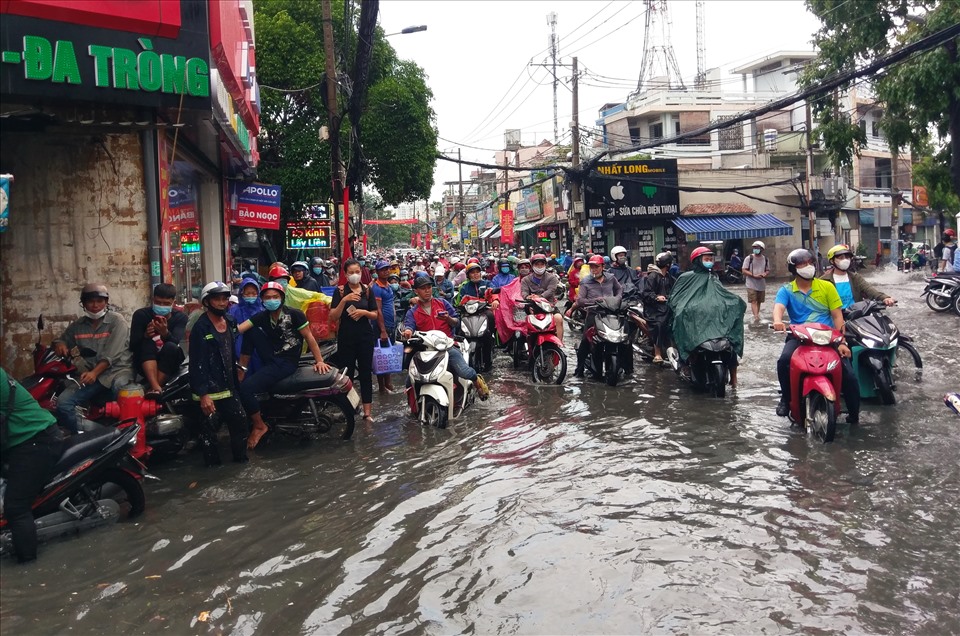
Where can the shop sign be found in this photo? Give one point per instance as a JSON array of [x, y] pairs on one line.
[[671, 241], [532, 201], [308, 235], [920, 196], [548, 199], [183, 206], [646, 244], [190, 242], [255, 205], [506, 226], [628, 191], [316, 212], [545, 236], [5, 181], [598, 240]]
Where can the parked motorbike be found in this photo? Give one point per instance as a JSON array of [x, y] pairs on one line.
[[640, 336], [476, 329], [707, 367], [731, 276], [943, 292], [608, 341], [815, 379], [540, 347], [874, 341], [434, 394], [51, 373], [96, 481]]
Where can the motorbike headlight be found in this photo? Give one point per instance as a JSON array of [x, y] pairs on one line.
[[612, 335], [894, 342], [870, 342], [821, 337]]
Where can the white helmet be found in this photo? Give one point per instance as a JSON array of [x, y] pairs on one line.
[[759, 244], [616, 251], [439, 271], [216, 287]]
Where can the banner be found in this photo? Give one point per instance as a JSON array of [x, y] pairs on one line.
[[506, 226], [254, 205], [5, 180], [390, 222]]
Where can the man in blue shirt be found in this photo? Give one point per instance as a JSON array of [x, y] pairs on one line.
[[809, 299]]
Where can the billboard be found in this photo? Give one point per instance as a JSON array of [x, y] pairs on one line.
[[628, 192], [308, 235], [506, 226], [255, 205]]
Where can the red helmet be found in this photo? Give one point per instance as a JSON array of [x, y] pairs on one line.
[[538, 257], [277, 272], [596, 259], [700, 251], [274, 286], [950, 231], [473, 261]]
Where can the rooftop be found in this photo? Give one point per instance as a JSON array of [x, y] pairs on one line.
[[793, 57]]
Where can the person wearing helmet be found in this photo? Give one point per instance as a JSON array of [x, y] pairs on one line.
[[98, 343], [596, 286], [703, 309], [755, 270], [444, 288], [249, 306], [213, 378], [279, 274], [155, 336], [476, 287], [504, 274], [301, 277], [566, 260], [542, 282], [460, 274], [523, 267], [573, 278], [735, 261], [438, 314], [318, 272], [945, 250], [620, 270], [851, 286], [656, 292], [810, 299]]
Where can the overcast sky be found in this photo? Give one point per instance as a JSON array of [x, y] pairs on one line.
[[477, 54]]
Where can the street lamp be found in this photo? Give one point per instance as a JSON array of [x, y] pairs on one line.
[[409, 29]]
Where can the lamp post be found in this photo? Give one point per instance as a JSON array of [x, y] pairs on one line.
[[409, 29]]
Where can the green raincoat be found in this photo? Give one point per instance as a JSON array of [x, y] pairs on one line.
[[703, 309]]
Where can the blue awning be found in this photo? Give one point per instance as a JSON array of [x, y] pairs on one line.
[[735, 226]]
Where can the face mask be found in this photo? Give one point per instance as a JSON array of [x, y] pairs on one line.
[[362, 263], [162, 310], [394, 286], [807, 272], [317, 271], [252, 268], [250, 300], [756, 250], [505, 270], [95, 316], [539, 270], [621, 259], [524, 271], [273, 304], [216, 311], [283, 282], [353, 279], [843, 264], [708, 264]]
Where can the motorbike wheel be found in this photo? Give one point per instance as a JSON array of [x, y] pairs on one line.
[[938, 303], [719, 380], [518, 350], [549, 364], [821, 417], [611, 370], [956, 303], [884, 380], [433, 413], [332, 419], [120, 486]]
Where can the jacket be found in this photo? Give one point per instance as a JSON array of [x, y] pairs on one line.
[[212, 373], [109, 341], [419, 320], [470, 289], [592, 290], [859, 286], [656, 284], [546, 287]]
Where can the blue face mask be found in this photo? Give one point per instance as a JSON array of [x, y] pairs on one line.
[[273, 304], [162, 310], [708, 264], [756, 250], [250, 300], [394, 286], [317, 271], [505, 270], [283, 282]]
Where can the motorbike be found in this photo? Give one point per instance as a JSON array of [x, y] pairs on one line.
[[874, 341], [640, 336], [51, 373], [475, 327], [707, 367], [540, 347], [731, 276], [943, 292], [608, 340], [96, 482], [815, 379], [434, 394]]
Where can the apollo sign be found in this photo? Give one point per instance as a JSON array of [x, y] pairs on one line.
[[254, 205]]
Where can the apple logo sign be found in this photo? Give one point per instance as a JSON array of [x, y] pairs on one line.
[[616, 192]]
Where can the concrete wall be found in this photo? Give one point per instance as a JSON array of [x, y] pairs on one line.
[[77, 215]]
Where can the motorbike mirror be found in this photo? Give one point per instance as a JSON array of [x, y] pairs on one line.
[[40, 323]]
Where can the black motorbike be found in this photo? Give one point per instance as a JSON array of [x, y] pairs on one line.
[[608, 340], [731, 276], [874, 342], [707, 367], [95, 482], [943, 292], [477, 329]]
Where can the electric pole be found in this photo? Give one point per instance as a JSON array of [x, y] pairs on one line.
[[575, 221], [552, 21], [811, 213], [460, 203], [894, 206], [336, 169]]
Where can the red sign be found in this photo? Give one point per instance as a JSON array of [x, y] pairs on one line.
[[920, 196], [231, 45], [144, 17], [506, 226]]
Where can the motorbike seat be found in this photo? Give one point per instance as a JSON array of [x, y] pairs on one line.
[[306, 379], [86, 445]]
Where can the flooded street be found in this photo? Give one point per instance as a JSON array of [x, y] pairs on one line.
[[550, 510]]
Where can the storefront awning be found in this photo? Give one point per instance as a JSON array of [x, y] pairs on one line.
[[740, 226], [547, 220], [489, 233], [523, 227]]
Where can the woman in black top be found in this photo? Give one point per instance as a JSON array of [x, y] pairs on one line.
[[354, 306]]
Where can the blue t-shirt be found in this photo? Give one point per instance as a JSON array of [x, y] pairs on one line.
[[844, 290], [386, 296], [814, 306]]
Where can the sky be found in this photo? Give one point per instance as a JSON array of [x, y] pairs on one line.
[[478, 56]]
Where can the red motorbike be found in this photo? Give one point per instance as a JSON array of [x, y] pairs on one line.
[[815, 379], [540, 346], [51, 373]]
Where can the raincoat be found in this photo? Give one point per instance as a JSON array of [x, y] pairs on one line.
[[703, 310], [509, 315]]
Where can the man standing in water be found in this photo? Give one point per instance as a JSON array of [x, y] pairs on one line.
[[755, 271]]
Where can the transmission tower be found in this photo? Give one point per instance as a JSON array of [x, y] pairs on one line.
[[701, 80], [657, 50], [552, 22]]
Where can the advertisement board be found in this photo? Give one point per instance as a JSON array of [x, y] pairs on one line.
[[254, 205], [628, 192], [308, 235], [506, 226]]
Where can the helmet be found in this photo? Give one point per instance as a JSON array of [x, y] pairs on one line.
[[454, 260], [578, 258], [617, 251], [214, 288], [837, 250], [457, 266], [538, 257], [473, 266], [700, 251], [504, 261], [275, 286], [382, 264], [596, 259], [799, 255], [473, 261], [523, 261], [422, 281], [736, 251], [404, 272], [664, 259], [606, 261], [301, 264], [439, 271], [950, 231], [317, 261], [395, 277], [94, 290], [278, 271], [759, 244]]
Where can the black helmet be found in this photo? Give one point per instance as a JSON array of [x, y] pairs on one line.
[[504, 261], [799, 255], [422, 281], [664, 259], [316, 261]]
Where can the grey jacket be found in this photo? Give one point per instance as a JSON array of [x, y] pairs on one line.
[[109, 341], [547, 287], [592, 290]]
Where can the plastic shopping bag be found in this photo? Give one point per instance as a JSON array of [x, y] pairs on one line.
[[387, 359]]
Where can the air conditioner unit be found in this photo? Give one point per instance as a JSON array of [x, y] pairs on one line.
[[770, 139]]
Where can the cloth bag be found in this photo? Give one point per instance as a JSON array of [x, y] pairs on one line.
[[387, 359]]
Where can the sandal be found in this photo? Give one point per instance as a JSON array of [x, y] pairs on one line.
[[657, 360]]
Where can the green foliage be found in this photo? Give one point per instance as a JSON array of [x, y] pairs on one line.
[[933, 172]]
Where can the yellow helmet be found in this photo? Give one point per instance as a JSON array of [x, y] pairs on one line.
[[837, 250]]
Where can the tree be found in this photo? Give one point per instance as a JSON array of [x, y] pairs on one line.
[[290, 69], [919, 95]]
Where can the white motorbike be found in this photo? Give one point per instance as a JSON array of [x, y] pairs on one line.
[[435, 395]]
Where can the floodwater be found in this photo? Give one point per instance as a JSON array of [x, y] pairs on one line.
[[550, 510]]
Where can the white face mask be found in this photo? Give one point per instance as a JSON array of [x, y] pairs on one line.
[[353, 279], [539, 270], [95, 316], [807, 272], [843, 264]]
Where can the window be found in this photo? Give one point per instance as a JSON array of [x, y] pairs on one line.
[[883, 173], [875, 128], [731, 138], [656, 131]]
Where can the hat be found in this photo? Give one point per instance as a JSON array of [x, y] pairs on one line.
[[422, 281], [381, 264]]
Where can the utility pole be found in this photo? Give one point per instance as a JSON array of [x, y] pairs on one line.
[[894, 206], [336, 169], [811, 213], [552, 21], [460, 203], [575, 221]]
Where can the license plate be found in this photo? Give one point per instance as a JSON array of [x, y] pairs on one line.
[[354, 398]]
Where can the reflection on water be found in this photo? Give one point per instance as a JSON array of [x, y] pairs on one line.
[[574, 509]]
